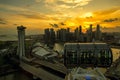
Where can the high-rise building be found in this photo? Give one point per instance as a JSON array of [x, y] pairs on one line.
[[98, 33], [68, 34], [58, 35], [52, 35], [63, 35], [21, 41], [47, 36], [76, 32], [80, 34], [89, 34], [80, 29]]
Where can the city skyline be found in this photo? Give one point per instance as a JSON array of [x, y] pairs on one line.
[[37, 15], [65, 35]]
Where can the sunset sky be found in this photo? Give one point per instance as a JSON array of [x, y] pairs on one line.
[[37, 15]]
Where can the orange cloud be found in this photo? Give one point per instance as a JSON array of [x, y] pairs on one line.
[[98, 17]]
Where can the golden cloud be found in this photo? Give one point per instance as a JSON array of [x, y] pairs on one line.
[[12, 8], [63, 5], [37, 0], [98, 17]]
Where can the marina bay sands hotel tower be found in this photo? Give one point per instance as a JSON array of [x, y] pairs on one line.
[[21, 41]]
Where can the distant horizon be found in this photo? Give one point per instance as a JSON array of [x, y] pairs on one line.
[[108, 30]]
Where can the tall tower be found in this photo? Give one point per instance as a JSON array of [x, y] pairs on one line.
[[80, 34], [98, 33], [21, 41], [89, 34], [52, 36], [80, 29], [77, 34], [63, 35], [47, 35], [68, 34]]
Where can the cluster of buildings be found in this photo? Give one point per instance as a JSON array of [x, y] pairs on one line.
[[49, 36], [65, 35]]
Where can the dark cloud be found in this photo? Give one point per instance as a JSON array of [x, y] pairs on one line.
[[34, 16], [57, 25], [107, 12], [62, 23], [15, 24], [89, 17], [111, 20], [30, 5], [2, 21], [111, 29], [54, 25]]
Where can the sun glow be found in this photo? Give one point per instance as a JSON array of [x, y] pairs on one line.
[[70, 23], [89, 14]]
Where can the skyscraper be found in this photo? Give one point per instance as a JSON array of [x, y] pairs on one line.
[[80, 34], [80, 29], [47, 36], [63, 35], [58, 35], [89, 34], [21, 41], [76, 32], [68, 34], [98, 33], [52, 35]]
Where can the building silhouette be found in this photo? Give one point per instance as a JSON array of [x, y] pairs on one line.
[[65, 35], [52, 36], [49, 36], [68, 35], [89, 34], [80, 34], [21, 41], [98, 33], [76, 33]]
